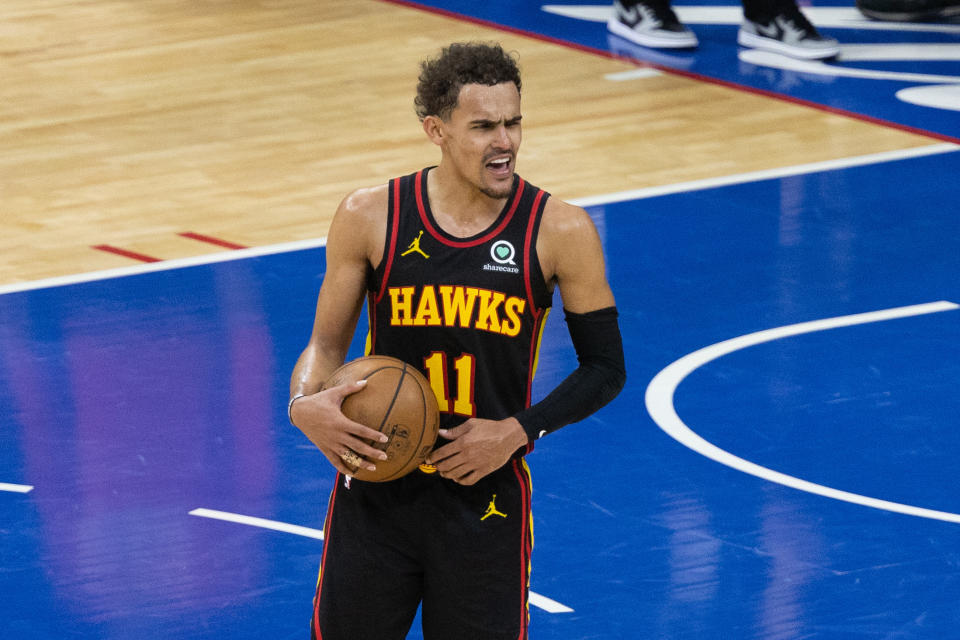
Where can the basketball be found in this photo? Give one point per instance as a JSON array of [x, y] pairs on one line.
[[396, 401]]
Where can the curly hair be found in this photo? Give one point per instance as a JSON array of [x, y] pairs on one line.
[[441, 78]]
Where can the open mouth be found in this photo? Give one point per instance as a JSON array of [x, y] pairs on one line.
[[499, 165]]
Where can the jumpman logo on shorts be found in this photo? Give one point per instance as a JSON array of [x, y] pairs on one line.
[[414, 247], [492, 509]]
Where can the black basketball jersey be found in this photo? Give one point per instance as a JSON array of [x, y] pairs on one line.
[[467, 312]]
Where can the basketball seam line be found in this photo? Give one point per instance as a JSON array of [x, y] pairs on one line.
[[393, 401]]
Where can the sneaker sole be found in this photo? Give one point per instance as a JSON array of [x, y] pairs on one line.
[[945, 13], [754, 41], [679, 41]]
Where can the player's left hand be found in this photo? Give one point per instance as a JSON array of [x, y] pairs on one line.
[[478, 447]]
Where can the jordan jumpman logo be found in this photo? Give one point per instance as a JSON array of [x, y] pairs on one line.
[[492, 509], [415, 247]]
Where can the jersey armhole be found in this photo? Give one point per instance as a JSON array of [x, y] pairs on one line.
[[381, 273], [538, 291]]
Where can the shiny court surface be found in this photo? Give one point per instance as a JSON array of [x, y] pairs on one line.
[[169, 129], [780, 465], [129, 403]]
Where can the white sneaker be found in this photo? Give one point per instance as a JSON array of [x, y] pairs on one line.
[[789, 33], [650, 23]]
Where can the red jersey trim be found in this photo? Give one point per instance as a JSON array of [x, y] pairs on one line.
[[323, 559], [394, 229], [371, 322], [433, 231], [528, 249], [526, 543], [534, 348]]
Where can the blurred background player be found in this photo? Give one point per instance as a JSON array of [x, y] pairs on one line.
[[771, 25], [910, 10]]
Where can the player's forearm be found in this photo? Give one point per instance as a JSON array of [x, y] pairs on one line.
[[313, 367], [599, 378]]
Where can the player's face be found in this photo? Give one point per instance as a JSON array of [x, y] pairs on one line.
[[484, 136]]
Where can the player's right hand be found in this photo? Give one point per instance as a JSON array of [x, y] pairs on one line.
[[320, 418]]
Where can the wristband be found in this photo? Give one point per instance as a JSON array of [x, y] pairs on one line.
[[290, 406]]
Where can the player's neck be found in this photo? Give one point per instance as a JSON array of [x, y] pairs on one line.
[[458, 206]]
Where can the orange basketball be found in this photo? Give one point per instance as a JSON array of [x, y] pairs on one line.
[[397, 401]]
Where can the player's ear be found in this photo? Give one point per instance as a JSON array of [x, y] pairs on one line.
[[433, 127]]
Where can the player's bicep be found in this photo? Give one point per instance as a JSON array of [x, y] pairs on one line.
[[576, 256], [345, 280], [338, 308]]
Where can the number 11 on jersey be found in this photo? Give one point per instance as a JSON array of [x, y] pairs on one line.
[[464, 368]]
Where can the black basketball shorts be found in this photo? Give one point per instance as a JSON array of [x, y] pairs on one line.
[[463, 552]]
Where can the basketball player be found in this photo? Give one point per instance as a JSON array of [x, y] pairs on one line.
[[457, 263]]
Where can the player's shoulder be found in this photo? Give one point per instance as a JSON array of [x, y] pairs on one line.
[[360, 224], [562, 218], [368, 203], [567, 236]]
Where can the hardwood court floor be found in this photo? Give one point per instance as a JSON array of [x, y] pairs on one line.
[[128, 123]]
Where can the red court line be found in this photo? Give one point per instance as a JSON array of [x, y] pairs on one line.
[[133, 255], [211, 240], [687, 74]]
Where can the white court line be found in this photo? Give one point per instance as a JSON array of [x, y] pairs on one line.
[[259, 522], [633, 74], [756, 176], [548, 605], [165, 265], [832, 17], [636, 194], [15, 488], [659, 401], [787, 63], [537, 600]]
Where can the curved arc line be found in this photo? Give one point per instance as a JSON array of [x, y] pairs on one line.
[[660, 392]]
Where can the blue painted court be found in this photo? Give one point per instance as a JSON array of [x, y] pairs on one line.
[[143, 417], [130, 402], [903, 74]]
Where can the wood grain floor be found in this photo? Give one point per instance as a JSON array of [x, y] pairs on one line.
[[129, 123]]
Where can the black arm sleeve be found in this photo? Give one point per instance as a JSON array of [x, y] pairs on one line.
[[599, 378]]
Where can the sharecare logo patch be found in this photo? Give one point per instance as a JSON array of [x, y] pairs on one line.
[[503, 254]]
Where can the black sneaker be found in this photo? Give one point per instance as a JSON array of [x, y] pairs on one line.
[[789, 33], [650, 23], [910, 10]]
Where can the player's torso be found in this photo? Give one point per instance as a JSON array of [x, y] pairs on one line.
[[467, 311]]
